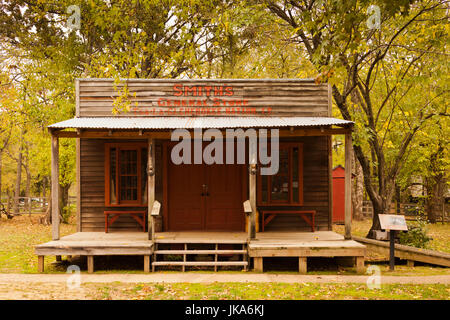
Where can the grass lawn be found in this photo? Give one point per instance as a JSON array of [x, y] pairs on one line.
[[18, 236], [225, 291], [277, 291]]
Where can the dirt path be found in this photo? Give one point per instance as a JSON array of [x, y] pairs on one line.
[[50, 279]]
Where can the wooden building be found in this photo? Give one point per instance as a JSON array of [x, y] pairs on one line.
[[132, 199]]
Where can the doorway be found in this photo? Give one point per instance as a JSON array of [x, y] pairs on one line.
[[203, 197]]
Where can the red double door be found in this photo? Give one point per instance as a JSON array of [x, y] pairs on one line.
[[205, 197]]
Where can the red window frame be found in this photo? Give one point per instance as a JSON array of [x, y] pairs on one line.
[[123, 146], [272, 203]]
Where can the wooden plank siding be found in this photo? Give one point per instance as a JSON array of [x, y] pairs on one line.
[[315, 182], [92, 187], [315, 188], [269, 97]]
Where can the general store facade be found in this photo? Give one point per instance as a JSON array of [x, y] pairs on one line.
[[134, 199]]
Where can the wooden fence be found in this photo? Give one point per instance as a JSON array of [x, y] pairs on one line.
[[30, 205], [410, 210]]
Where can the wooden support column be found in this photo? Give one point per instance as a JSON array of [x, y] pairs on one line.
[[258, 264], [40, 264], [90, 264], [302, 265], [78, 178], [151, 187], [55, 187], [252, 198], [360, 265], [146, 263], [348, 185], [410, 263]]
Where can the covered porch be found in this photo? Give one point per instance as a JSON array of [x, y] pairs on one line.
[[250, 244], [99, 138]]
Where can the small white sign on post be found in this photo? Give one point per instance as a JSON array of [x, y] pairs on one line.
[[247, 207], [393, 222], [156, 208]]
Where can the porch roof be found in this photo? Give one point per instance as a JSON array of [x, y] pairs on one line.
[[195, 122]]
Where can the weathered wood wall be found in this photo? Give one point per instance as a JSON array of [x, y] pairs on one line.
[[163, 97], [92, 176], [315, 188], [315, 182]]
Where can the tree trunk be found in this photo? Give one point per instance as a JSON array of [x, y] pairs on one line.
[[18, 180], [381, 207], [435, 197], [44, 190], [27, 202], [1, 154], [28, 183], [358, 191], [44, 186], [8, 204], [46, 219], [64, 202]]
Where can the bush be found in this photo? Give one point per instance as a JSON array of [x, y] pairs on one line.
[[416, 236]]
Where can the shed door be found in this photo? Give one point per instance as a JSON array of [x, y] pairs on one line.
[[205, 197], [338, 199]]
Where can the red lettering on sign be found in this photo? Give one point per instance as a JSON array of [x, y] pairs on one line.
[[229, 91], [178, 91], [208, 90], [187, 90], [161, 102], [218, 91]]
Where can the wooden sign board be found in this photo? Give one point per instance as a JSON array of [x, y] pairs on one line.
[[247, 206], [393, 222], [202, 97], [156, 208]]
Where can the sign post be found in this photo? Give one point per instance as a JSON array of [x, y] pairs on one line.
[[392, 223], [391, 250]]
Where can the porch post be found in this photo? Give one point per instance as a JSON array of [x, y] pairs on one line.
[[55, 187], [348, 185], [150, 186], [252, 196]]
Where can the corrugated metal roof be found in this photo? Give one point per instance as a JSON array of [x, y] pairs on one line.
[[195, 122]]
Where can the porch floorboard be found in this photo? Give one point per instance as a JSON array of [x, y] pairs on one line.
[[303, 244]]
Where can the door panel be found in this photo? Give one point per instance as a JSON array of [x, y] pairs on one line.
[[186, 205], [220, 206], [224, 203]]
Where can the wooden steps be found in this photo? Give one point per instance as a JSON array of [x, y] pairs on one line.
[[219, 252], [204, 253], [200, 263]]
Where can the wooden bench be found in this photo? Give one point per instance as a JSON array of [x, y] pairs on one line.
[[271, 213], [116, 214]]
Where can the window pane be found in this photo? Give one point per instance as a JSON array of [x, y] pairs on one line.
[[280, 181], [284, 162], [112, 175], [295, 175], [264, 195], [280, 188], [144, 157], [128, 175]]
